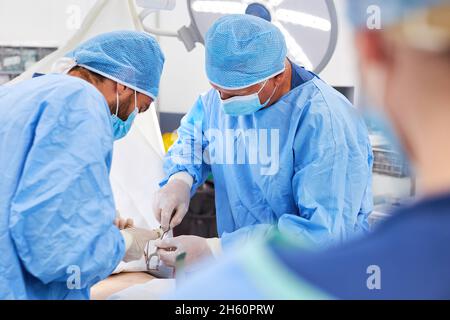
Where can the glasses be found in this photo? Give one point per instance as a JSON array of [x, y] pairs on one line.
[[150, 257]]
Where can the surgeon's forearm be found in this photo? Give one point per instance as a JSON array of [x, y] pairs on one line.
[[128, 239]]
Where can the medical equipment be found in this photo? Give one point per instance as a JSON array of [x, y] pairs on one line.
[[157, 4], [149, 257]]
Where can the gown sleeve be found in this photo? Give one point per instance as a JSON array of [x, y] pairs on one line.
[[186, 155]]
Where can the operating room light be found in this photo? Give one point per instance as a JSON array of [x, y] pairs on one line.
[[296, 51], [157, 4], [222, 7], [275, 3], [303, 19]]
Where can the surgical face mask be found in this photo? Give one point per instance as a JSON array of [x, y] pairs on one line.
[[120, 127], [245, 105]]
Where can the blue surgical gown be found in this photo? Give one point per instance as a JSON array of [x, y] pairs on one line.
[[406, 257], [57, 236], [320, 191]]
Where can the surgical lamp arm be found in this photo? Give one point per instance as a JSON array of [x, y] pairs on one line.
[[187, 35], [158, 32]]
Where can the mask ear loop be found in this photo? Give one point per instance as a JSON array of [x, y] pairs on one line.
[[272, 95], [117, 99], [274, 91], [264, 85]]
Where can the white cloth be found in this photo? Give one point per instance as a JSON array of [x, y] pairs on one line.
[[135, 174], [152, 290]]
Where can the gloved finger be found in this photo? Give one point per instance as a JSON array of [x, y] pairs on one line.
[[168, 243], [117, 222], [122, 223], [157, 213], [178, 216], [147, 235], [129, 223], [169, 258], [156, 207], [166, 216]]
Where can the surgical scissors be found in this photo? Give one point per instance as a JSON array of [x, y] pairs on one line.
[[148, 258]]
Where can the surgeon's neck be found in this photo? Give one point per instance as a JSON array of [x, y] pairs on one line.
[[432, 150], [433, 163], [417, 102], [285, 86], [106, 86]]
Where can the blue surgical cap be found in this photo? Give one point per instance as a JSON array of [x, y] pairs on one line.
[[391, 11], [243, 50], [131, 58]]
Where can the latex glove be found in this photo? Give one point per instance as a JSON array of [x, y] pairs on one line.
[[171, 203], [136, 239], [196, 249], [123, 223]]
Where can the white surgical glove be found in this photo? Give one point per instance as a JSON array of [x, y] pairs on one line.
[[136, 239], [172, 201], [196, 249], [123, 223]]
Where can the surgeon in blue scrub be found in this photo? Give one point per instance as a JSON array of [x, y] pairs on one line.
[[286, 150], [405, 69], [57, 236]]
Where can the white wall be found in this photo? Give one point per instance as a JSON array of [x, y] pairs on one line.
[[43, 23], [184, 76], [51, 22], [341, 71]]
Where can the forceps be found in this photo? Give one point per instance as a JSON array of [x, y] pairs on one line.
[[149, 257]]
